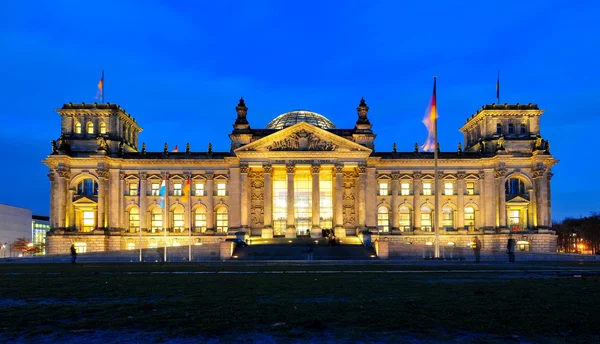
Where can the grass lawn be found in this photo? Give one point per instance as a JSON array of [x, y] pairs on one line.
[[297, 302]]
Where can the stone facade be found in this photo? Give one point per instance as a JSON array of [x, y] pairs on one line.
[[300, 178]]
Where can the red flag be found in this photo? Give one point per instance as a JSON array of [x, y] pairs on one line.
[[176, 149], [100, 92], [186, 189], [429, 121]]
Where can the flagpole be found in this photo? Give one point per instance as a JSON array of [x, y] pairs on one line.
[[498, 88], [435, 176], [102, 87]]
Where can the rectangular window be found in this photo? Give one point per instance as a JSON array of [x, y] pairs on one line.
[[279, 202], [448, 188], [514, 219], [133, 189], [178, 222], [134, 221], [470, 188], [80, 247], [222, 222], [427, 189], [404, 221], [303, 201], [89, 220], [200, 222], [383, 189], [155, 189], [131, 246], [156, 222], [177, 189], [426, 222], [405, 189], [199, 189], [383, 221], [221, 189], [326, 200]]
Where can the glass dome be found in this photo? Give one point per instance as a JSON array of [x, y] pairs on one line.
[[290, 118]]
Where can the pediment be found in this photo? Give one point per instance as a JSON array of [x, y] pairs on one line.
[[303, 137], [517, 199], [84, 201]]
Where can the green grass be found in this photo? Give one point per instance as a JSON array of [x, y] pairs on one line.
[[62, 298]]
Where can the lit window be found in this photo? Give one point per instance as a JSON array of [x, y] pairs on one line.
[[383, 219], [469, 218], [222, 220], [448, 188], [221, 189], [199, 189], [88, 221], [405, 189], [279, 202], [426, 219], [383, 189], [156, 220], [200, 220], [177, 191], [131, 246], [77, 128], [134, 220], [523, 245], [404, 222], [326, 200], [178, 219], [90, 128], [153, 244], [514, 219], [426, 188], [133, 189], [155, 189], [80, 247], [102, 128], [470, 188], [447, 217]]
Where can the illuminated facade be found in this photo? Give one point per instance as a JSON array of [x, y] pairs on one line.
[[297, 177]]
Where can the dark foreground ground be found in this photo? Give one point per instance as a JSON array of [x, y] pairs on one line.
[[297, 303]]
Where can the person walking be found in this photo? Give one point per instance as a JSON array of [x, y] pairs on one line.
[[310, 252], [510, 249], [476, 246], [73, 254]]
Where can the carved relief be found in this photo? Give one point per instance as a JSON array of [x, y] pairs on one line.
[[349, 197], [64, 174], [339, 168], [501, 172], [316, 168], [268, 168], [362, 169], [417, 175], [302, 140], [257, 197], [244, 168], [102, 174], [290, 168], [395, 176], [51, 176], [461, 175], [209, 176], [122, 175]]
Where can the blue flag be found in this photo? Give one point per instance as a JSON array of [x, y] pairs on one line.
[[161, 193]]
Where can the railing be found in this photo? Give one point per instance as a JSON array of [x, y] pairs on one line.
[[221, 193], [200, 193]]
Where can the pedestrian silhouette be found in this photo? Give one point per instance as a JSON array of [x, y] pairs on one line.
[[510, 249], [73, 254], [476, 246]]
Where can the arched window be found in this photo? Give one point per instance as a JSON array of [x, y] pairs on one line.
[[499, 129], [222, 220], [177, 219], [404, 222], [200, 219], [515, 186], [511, 128], [88, 187], [469, 218], [90, 128], [134, 219], [102, 128], [426, 219], [447, 217], [523, 129], [156, 220], [77, 128], [383, 219]]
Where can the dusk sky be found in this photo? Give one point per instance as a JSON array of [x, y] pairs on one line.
[[180, 67]]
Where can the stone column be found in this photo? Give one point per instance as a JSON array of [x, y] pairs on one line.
[[490, 199], [501, 199], [417, 190], [70, 211], [53, 196], [290, 231], [480, 216], [540, 182], [339, 200], [210, 202], [113, 210], [315, 231], [235, 196], [144, 225], [460, 199], [549, 175], [395, 190], [61, 195], [121, 220], [362, 188], [371, 198], [267, 232], [531, 214], [244, 204], [102, 179]]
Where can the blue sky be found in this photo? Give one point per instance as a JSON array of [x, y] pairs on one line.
[[179, 67]]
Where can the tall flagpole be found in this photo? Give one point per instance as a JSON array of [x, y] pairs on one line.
[[102, 87], [498, 88], [435, 175]]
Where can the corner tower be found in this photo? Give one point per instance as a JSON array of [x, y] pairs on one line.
[[363, 134]]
